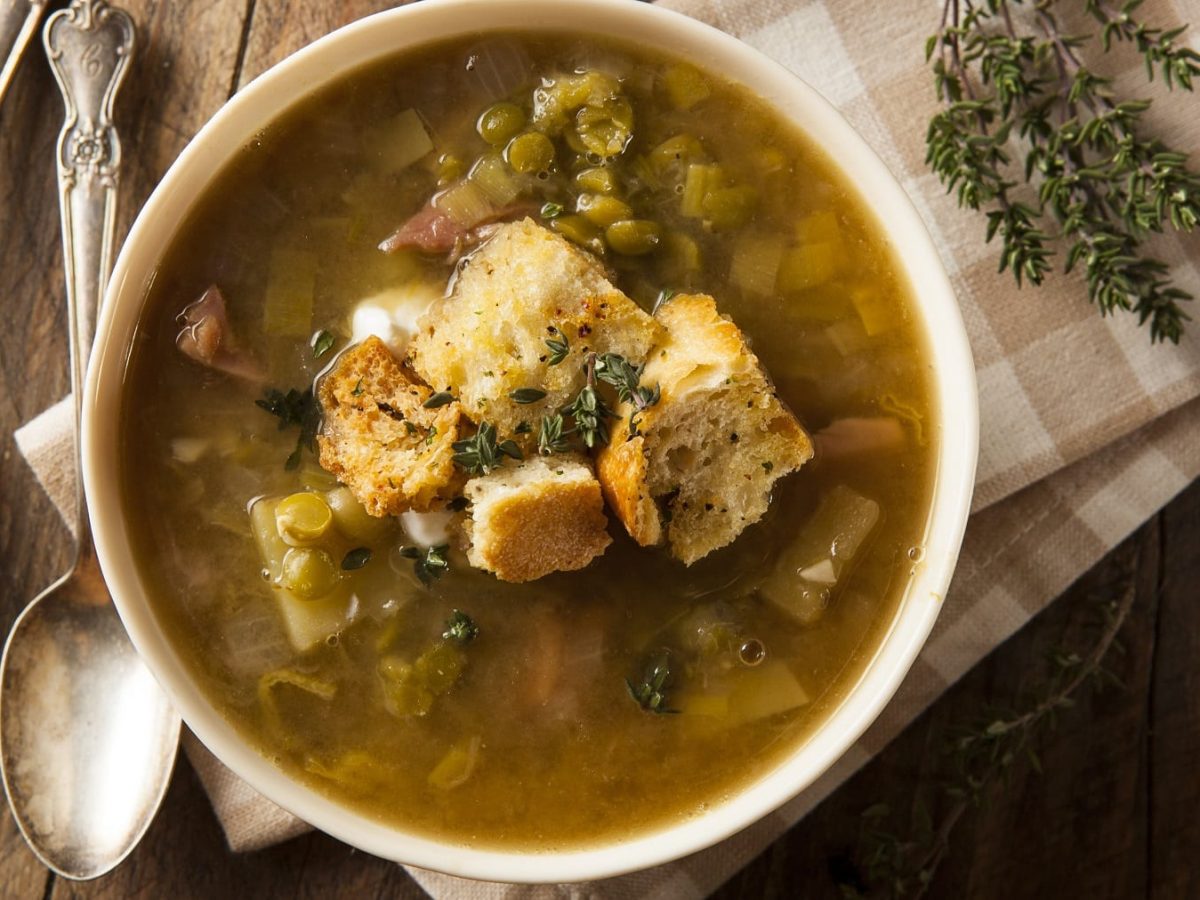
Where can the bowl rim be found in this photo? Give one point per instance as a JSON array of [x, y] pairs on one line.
[[358, 44]]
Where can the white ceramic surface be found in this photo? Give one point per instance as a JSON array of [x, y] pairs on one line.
[[393, 31]]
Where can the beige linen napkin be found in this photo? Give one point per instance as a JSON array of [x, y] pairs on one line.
[[1087, 430]]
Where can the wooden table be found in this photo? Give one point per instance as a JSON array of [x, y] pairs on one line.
[[1115, 813]]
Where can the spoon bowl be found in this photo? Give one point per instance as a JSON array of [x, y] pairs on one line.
[[89, 739]]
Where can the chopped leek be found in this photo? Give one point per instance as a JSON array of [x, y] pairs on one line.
[[685, 86], [493, 178], [465, 203], [457, 765]]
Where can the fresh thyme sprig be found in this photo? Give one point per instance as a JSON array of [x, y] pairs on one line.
[[1006, 73], [616, 370], [295, 408], [982, 755], [480, 453]]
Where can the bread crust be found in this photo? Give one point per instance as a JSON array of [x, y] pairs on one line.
[[713, 446], [536, 517], [379, 440]]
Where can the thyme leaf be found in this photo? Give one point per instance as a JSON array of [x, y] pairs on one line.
[[441, 398], [460, 628], [559, 347]]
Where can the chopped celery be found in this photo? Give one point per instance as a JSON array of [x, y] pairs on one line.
[[878, 314], [811, 265], [494, 179], [837, 530], [401, 142], [755, 263], [291, 279], [700, 179], [685, 86], [457, 765], [465, 203]]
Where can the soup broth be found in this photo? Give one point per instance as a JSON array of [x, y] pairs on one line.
[[536, 739]]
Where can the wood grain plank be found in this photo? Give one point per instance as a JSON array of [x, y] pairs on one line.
[[1175, 711], [281, 27], [180, 75], [184, 856]]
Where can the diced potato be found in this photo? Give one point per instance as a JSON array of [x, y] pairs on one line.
[[837, 530], [811, 265], [877, 312], [819, 226], [401, 142], [768, 690]]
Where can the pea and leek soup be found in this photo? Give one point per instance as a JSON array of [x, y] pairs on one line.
[[527, 440]]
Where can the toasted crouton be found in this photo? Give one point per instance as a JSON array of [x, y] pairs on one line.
[[536, 517], [713, 446], [379, 440], [488, 338]]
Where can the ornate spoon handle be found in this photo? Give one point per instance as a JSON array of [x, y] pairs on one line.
[[18, 22], [89, 45]]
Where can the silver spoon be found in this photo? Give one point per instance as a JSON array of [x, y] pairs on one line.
[[87, 738]]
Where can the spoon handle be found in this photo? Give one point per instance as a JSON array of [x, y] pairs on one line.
[[89, 45], [18, 23]]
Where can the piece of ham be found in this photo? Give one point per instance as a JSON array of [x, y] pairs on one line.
[[432, 231], [206, 337]]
